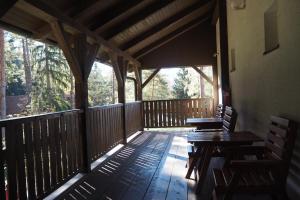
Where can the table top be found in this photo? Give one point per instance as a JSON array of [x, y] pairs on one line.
[[203, 120], [222, 137]]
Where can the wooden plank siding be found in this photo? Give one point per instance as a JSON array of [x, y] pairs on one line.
[[133, 118], [106, 128], [33, 152], [173, 113]]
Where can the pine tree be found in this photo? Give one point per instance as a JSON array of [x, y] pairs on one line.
[[157, 88], [52, 78], [2, 77], [181, 84]]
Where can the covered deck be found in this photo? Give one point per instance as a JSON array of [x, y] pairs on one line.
[[84, 153]]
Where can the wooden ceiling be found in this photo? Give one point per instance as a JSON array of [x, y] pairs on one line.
[[131, 28]]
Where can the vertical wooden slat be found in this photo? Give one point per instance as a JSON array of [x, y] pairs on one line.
[[29, 160], [2, 160], [38, 158], [10, 136], [20, 161], [52, 152], [63, 146], [45, 154], [58, 148]]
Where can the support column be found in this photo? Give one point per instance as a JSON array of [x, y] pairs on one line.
[[80, 59], [120, 68], [215, 86], [226, 93]]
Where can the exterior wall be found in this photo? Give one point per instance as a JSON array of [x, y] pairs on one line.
[[265, 85], [195, 47]]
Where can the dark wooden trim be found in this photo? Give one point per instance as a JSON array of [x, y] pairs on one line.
[[203, 75], [43, 9], [224, 53], [134, 19], [170, 37], [5, 6], [171, 20], [150, 77]]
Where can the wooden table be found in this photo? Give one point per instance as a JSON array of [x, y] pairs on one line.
[[205, 123], [207, 141]]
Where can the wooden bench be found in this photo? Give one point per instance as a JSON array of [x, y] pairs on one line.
[[267, 173], [229, 121]]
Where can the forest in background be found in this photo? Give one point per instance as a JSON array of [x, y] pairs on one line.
[[37, 77]]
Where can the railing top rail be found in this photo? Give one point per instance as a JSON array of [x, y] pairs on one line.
[[34, 117], [106, 106], [134, 102], [208, 98]]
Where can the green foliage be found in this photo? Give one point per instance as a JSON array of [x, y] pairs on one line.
[[51, 79], [181, 85], [100, 88], [157, 88]]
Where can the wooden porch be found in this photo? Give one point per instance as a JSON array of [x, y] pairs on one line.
[[40, 154]]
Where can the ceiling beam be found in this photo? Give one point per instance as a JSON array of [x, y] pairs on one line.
[[5, 6], [171, 36], [49, 13], [168, 22], [111, 13], [134, 19], [203, 75], [150, 77], [123, 17]]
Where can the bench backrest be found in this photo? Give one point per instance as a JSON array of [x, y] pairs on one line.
[[281, 138], [229, 119], [219, 111]]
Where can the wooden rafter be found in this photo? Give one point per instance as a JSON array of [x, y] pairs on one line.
[[166, 23], [114, 15], [49, 13], [82, 11], [64, 44], [132, 20], [5, 6], [150, 77], [203, 75], [171, 36], [115, 66]]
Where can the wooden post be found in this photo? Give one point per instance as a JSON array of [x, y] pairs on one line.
[[215, 87], [226, 96], [139, 83], [120, 67], [80, 59]]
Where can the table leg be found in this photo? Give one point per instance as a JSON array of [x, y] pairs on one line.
[[196, 157], [204, 164]]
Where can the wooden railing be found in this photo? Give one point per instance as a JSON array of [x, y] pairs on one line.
[[173, 113], [39, 153], [106, 128], [133, 117]]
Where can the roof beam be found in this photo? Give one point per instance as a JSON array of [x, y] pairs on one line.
[[150, 77], [50, 13], [134, 19], [168, 22], [111, 13], [82, 11], [203, 75], [170, 37], [5, 6]]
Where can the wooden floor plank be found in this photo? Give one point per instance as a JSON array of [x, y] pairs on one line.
[[160, 182], [178, 184]]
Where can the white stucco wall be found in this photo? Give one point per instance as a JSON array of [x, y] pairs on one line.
[[265, 85]]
